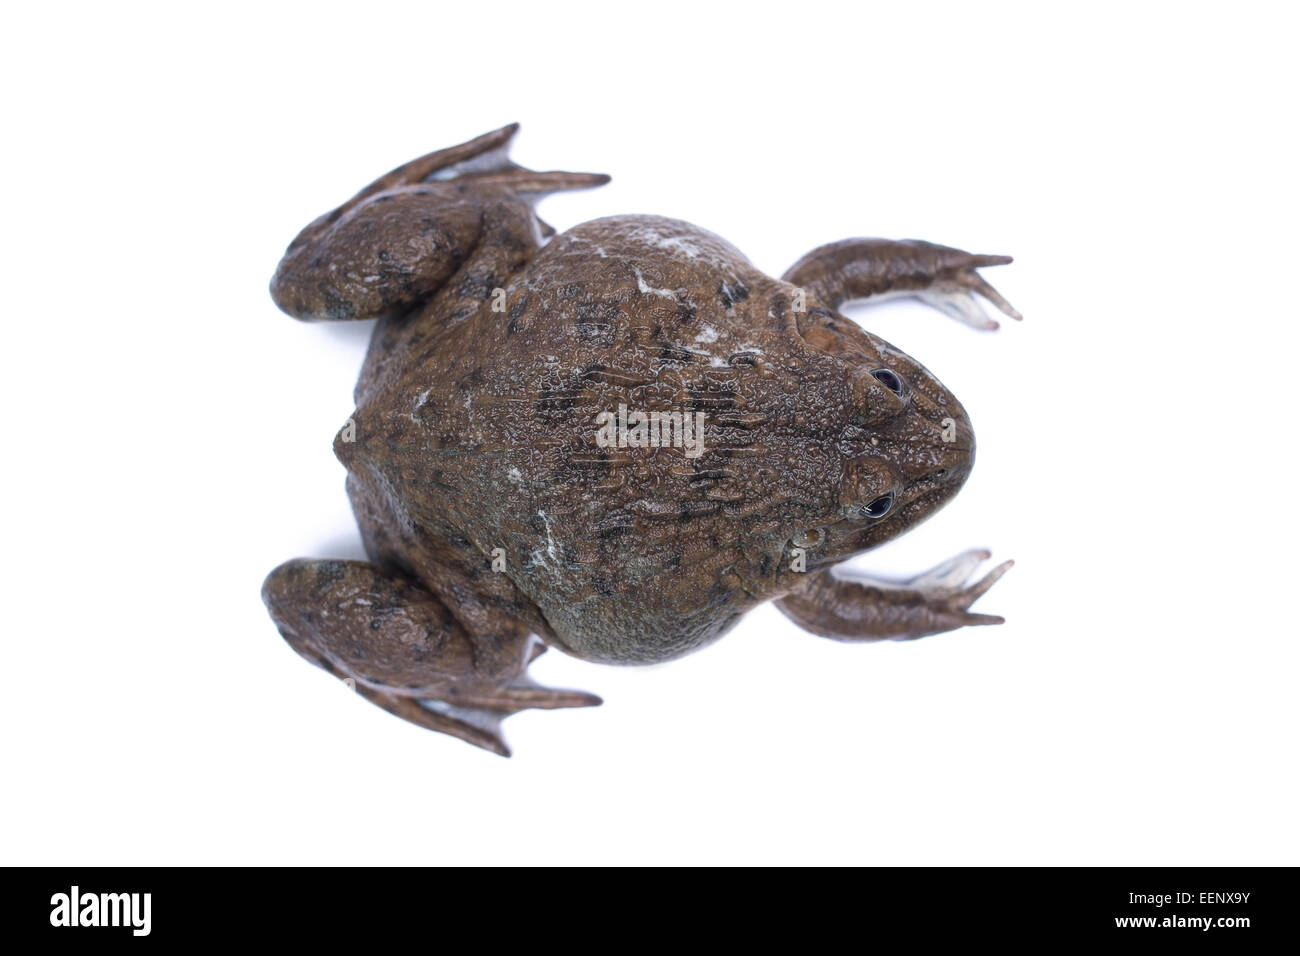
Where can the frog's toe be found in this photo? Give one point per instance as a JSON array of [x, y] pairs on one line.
[[476, 719], [969, 595], [980, 285], [959, 297], [960, 304], [523, 694], [476, 726]]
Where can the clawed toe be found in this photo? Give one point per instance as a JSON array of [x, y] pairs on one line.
[[947, 589], [971, 594], [476, 726], [980, 285], [975, 620], [527, 696], [957, 291], [477, 718], [958, 296]]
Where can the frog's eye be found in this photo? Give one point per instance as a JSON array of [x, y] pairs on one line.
[[888, 379], [880, 507]]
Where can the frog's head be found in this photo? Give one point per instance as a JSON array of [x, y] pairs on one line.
[[905, 445]]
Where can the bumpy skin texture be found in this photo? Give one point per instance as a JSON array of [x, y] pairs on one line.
[[475, 437]]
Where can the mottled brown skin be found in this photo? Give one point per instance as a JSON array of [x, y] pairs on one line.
[[498, 345]]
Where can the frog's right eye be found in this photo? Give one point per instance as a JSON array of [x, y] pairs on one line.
[[888, 379], [879, 507]]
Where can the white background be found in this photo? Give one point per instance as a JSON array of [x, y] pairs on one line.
[[167, 432]]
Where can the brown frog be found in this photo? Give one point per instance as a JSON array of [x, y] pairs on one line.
[[616, 441]]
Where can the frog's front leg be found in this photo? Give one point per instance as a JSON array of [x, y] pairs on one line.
[[863, 609], [868, 268], [404, 650]]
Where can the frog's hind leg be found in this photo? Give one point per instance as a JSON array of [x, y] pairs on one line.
[[379, 257], [401, 648], [860, 608], [940, 276], [393, 245]]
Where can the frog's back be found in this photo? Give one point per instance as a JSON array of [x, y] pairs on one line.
[[631, 554]]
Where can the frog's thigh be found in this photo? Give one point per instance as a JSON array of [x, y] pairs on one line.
[[405, 651], [381, 257], [864, 609]]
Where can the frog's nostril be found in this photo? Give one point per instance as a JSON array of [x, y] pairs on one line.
[[809, 538]]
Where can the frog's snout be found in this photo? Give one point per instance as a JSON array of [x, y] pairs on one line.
[[955, 445], [939, 438], [947, 455], [931, 463], [346, 448]]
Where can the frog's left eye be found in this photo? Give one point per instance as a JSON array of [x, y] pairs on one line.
[[888, 379], [879, 507]]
